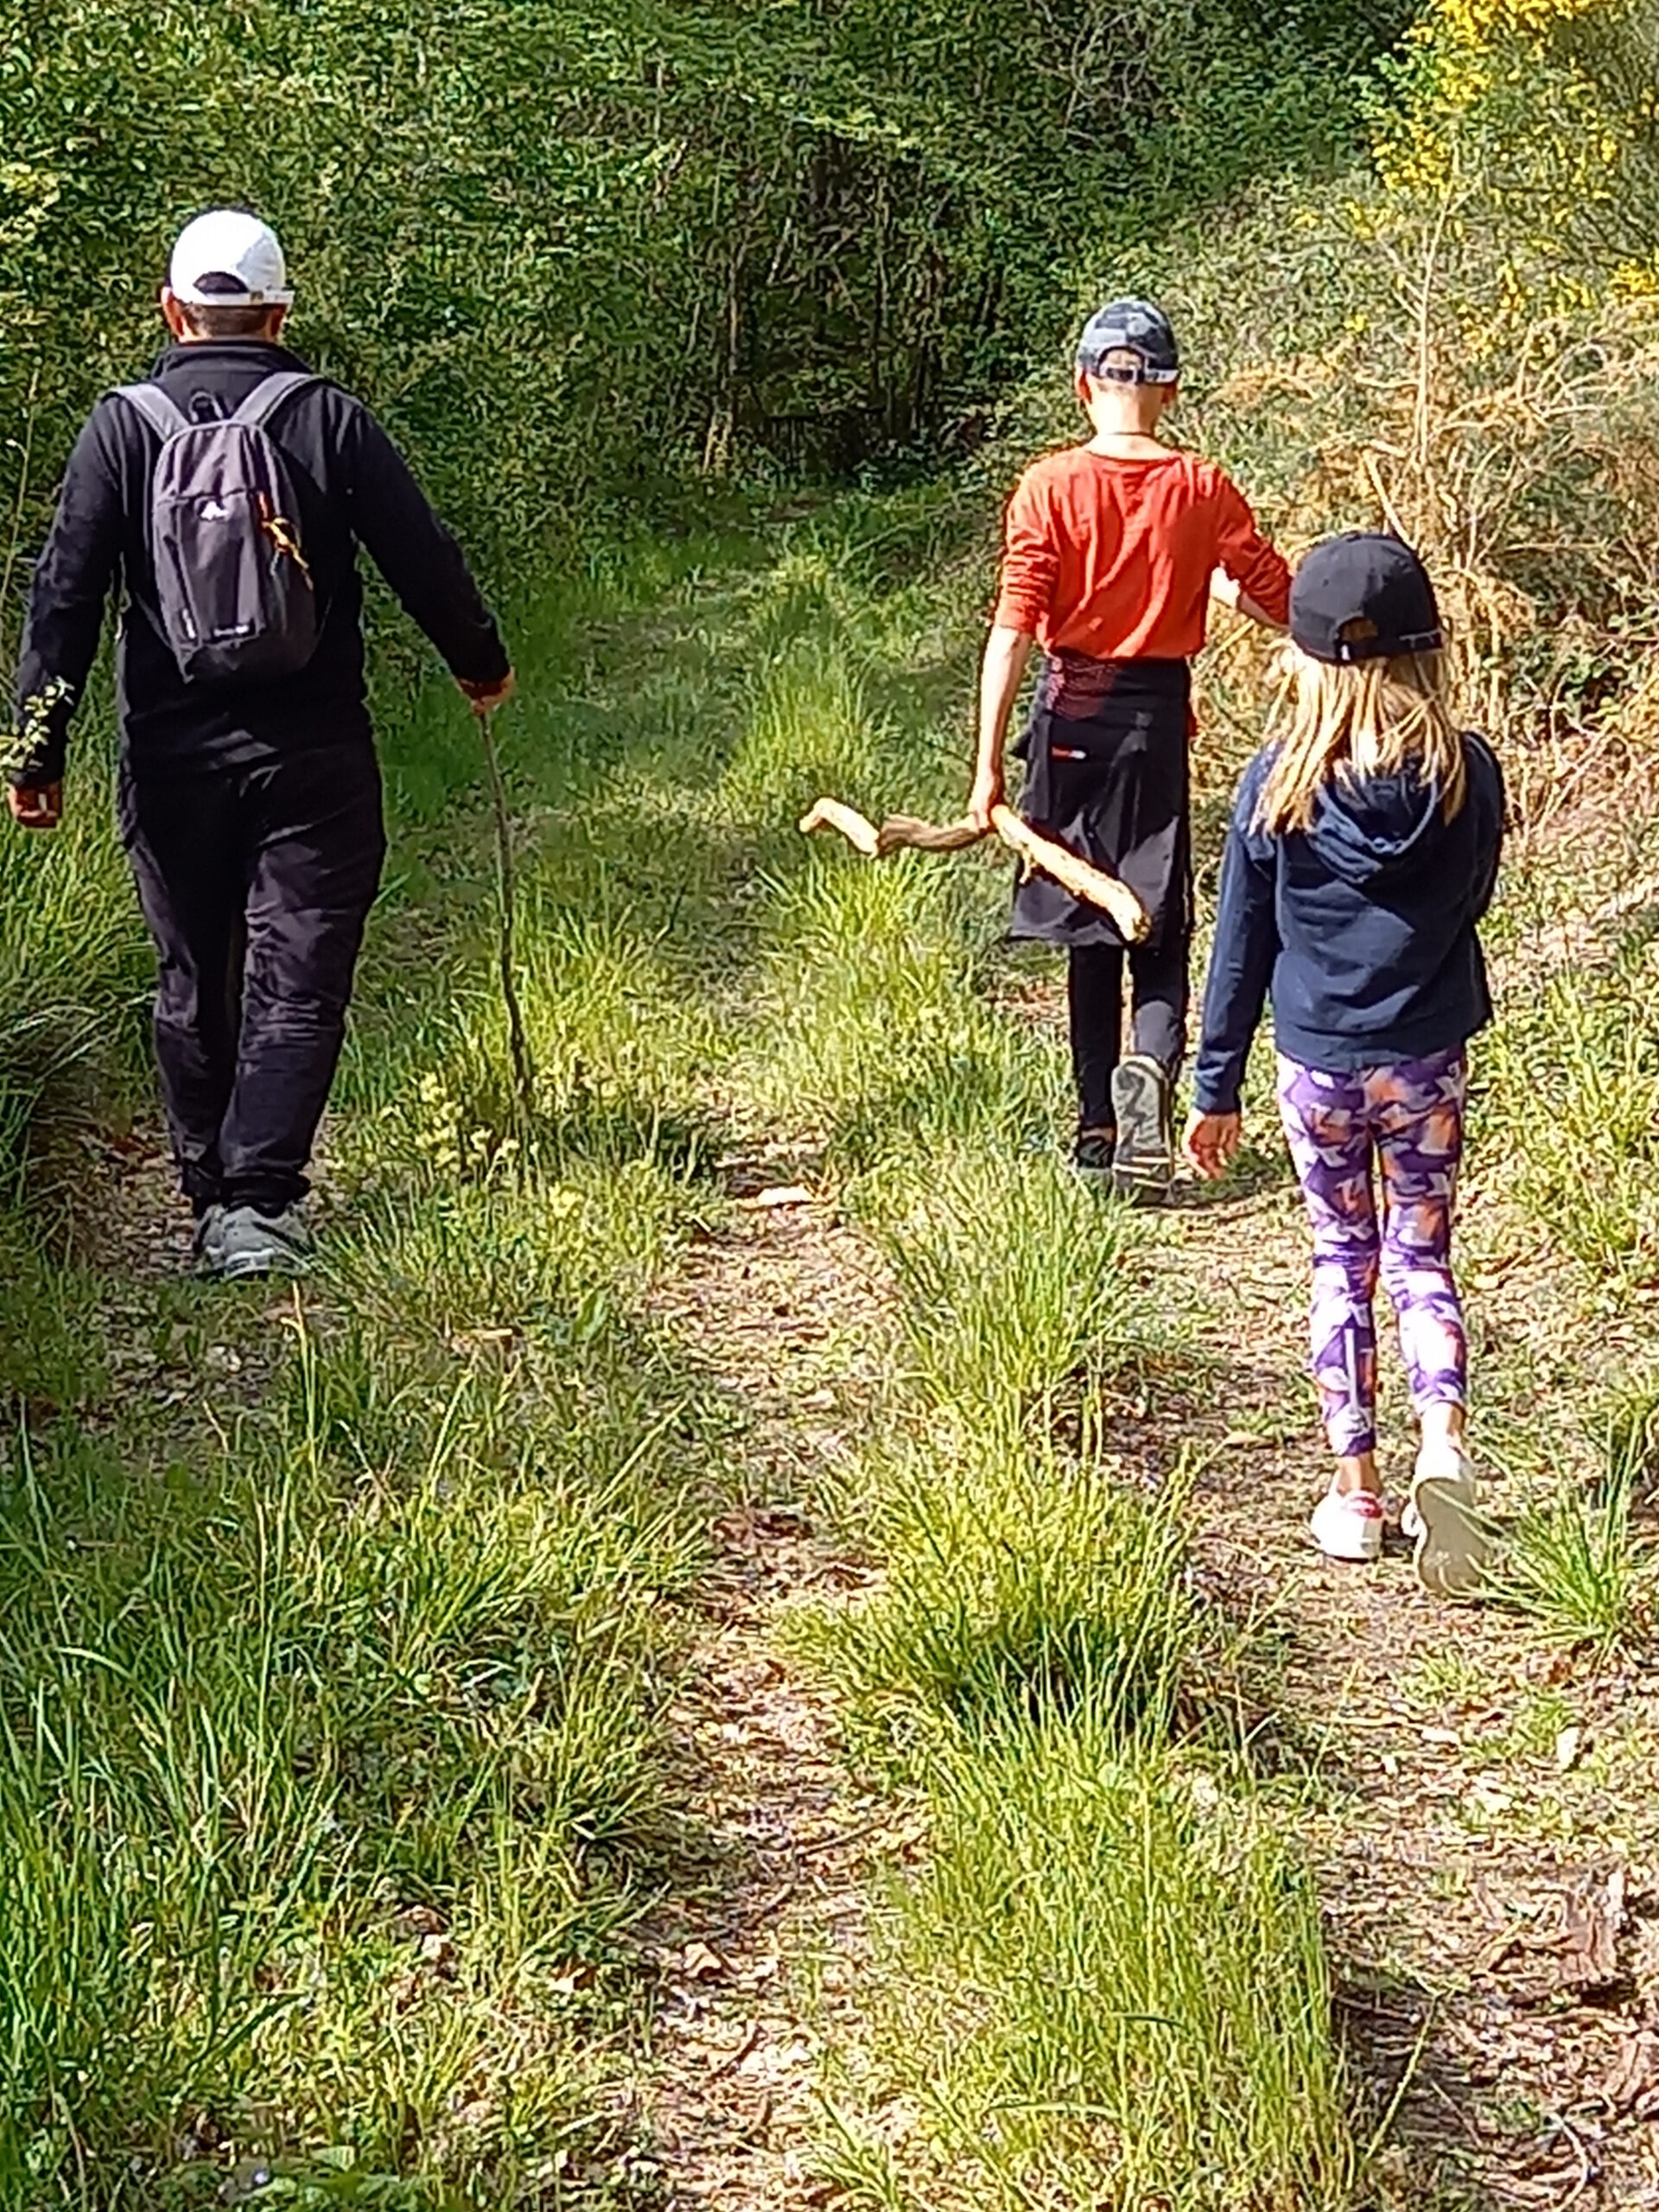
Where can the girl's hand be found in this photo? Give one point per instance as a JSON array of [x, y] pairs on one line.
[[1210, 1141]]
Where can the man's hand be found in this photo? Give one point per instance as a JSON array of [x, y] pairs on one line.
[[1210, 1142], [37, 806], [986, 794], [485, 699]]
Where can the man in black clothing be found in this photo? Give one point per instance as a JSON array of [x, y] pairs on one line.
[[249, 808]]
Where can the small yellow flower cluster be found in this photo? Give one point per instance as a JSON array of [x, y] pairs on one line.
[[447, 1137]]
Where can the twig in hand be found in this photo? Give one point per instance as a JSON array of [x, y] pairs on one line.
[[524, 1072]]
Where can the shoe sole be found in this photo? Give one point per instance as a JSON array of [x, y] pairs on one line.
[[1143, 1167], [1452, 1544], [251, 1270]]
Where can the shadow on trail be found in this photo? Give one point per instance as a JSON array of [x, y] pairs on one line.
[[1415, 2075], [1252, 1173]]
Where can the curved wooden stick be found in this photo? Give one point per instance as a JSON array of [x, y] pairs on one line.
[[1080, 877], [830, 814], [901, 832]]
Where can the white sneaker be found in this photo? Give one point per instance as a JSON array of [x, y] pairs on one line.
[[1442, 1519], [1348, 1525]]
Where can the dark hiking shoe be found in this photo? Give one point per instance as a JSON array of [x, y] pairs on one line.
[[1092, 1153], [248, 1244], [1143, 1166]]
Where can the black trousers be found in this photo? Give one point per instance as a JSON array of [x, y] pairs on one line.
[[256, 882], [1158, 990]]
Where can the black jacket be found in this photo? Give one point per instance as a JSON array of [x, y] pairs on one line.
[[352, 488], [1363, 927]]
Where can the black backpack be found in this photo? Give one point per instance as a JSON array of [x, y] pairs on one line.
[[232, 590]]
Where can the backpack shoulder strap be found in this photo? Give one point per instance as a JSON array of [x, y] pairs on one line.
[[164, 415], [265, 398]]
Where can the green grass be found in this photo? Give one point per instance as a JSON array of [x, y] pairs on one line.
[[1573, 1565], [1107, 1986], [340, 1633]]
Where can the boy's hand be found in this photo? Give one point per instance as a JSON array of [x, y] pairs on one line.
[[1210, 1142], [986, 794], [1222, 588], [38, 806]]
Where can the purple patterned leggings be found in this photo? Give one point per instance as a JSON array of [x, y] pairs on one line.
[[1409, 1117]]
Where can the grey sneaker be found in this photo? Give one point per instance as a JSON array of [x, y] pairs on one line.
[[1143, 1167], [204, 1244], [248, 1244]]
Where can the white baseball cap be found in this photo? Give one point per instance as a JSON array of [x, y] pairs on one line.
[[227, 259]]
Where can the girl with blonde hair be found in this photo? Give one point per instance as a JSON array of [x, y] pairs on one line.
[[1362, 854]]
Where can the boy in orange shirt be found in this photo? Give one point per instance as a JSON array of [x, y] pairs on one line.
[[1110, 550]]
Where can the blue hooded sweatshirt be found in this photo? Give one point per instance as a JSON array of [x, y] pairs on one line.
[[1362, 926]]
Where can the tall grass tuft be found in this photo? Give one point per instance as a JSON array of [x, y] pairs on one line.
[[1016, 1585], [1575, 1565], [1015, 1275], [1107, 1986]]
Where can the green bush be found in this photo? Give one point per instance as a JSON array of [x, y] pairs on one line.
[[564, 248]]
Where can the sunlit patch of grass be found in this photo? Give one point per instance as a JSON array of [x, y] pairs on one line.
[[1575, 1105], [877, 1020], [1013, 1585], [1575, 1565], [1106, 1985], [1015, 1274], [384, 1672]]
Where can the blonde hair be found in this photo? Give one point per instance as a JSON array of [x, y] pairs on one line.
[[1361, 718]]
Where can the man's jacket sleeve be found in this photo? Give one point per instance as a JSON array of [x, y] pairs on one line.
[[73, 579], [394, 521], [1246, 947]]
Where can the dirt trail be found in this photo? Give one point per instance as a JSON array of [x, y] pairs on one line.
[[763, 1945], [1491, 1881]]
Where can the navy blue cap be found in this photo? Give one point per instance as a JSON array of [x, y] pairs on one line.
[[1363, 596], [1135, 327]]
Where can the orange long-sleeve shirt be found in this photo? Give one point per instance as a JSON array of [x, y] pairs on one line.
[[1113, 557]]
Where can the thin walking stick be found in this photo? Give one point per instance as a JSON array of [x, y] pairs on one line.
[[524, 1072]]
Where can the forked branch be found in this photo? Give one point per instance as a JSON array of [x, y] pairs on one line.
[[901, 832]]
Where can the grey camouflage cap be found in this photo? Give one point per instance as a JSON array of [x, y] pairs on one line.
[[1134, 327]]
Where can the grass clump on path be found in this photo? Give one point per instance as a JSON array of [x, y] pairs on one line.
[[1107, 1986], [1105, 1980]]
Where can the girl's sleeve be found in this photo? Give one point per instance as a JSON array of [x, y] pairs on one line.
[[1240, 960], [1031, 558], [1255, 564], [1486, 794]]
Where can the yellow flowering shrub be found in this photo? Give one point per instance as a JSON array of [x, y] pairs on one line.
[[1540, 117]]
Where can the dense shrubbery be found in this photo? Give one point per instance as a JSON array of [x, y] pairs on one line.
[[548, 237], [1458, 339]]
